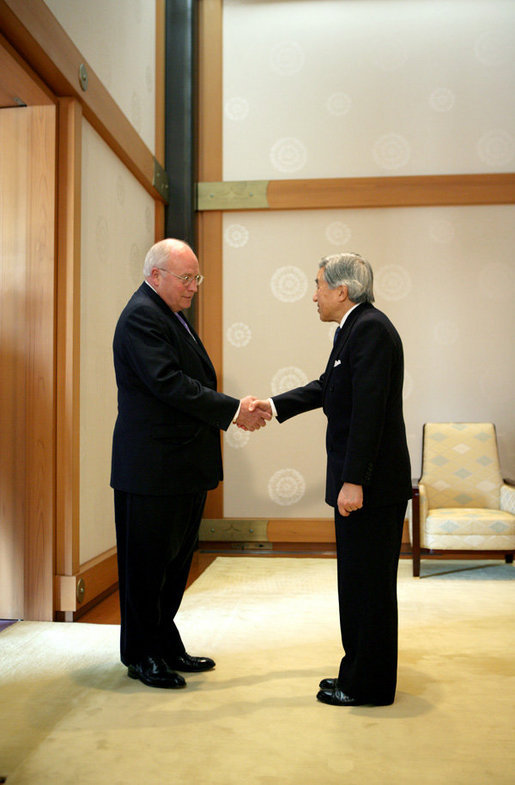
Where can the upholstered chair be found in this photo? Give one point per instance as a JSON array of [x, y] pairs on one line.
[[461, 502]]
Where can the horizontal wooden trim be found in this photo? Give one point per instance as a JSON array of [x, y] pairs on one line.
[[98, 575], [18, 82], [301, 530], [360, 192], [268, 530], [415, 191], [36, 34], [274, 530]]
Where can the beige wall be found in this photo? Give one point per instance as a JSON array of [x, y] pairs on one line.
[[366, 88], [445, 276], [117, 38], [117, 230]]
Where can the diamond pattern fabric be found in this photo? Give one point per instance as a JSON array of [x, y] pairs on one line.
[[464, 503], [461, 467]]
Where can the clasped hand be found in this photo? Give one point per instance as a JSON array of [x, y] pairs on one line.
[[253, 413]]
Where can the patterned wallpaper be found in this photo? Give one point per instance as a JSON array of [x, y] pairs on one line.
[[109, 33], [445, 277], [117, 230], [369, 88]]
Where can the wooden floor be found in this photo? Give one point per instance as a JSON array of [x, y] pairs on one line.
[[108, 610]]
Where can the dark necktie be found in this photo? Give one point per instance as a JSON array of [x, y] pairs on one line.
[[336, 334]]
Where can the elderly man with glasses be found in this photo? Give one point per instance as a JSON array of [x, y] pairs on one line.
[[166, 456]]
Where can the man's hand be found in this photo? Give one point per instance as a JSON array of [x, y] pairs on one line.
[[350, 498], [264, 406], [252, 417]]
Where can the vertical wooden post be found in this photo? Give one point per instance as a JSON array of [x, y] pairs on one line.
[[68, 337], [210, 168]]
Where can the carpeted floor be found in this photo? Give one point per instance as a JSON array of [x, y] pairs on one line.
[[69, 714]]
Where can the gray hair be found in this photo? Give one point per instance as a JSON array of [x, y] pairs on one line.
[[160, 253], [352, 271]]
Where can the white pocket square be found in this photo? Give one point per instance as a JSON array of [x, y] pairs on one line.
[[337, 362]]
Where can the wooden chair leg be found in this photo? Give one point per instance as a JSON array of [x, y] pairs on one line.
[[415, 531]]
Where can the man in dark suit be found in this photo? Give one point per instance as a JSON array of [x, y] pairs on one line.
[[368, 474], [166, 456]]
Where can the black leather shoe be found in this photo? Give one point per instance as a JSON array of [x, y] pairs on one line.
[[336, 697], [328, 684], [154, 672], [185, 662]]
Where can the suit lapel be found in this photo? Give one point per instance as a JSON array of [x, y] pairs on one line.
[[193, 340], [341, 341]]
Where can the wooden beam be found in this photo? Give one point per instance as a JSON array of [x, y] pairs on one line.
[[209, 227], [210, 90], [18, 83], [413, 191], [68, 335], [35, 33], [356, 192]]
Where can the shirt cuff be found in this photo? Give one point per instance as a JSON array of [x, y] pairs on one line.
[[272, 405]]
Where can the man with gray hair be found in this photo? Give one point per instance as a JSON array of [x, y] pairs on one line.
[[368, 478], [166, 456]]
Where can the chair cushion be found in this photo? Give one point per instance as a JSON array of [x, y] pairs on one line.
[[464, 528]]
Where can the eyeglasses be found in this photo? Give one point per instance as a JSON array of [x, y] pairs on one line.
[[186, 279]]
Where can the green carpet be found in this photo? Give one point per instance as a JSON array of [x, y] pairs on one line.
[[69, 714]]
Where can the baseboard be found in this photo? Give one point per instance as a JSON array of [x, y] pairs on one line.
[[264, 533], [95, 579]]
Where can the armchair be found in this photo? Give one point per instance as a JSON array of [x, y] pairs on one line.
[[461, 502]]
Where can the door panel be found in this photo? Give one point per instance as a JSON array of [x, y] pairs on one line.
[[27, 409]]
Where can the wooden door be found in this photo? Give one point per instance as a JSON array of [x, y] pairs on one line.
[[27, 354]]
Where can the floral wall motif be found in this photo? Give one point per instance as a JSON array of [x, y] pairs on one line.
[[445, 277], [366, 89], [369, 88]]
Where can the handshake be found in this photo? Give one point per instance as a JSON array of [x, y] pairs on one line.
[[253, 413]]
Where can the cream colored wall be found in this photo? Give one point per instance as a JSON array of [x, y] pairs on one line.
[[117, 230], [366, 88], [117, 38], [445, 277]]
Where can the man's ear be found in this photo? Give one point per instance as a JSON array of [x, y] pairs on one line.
[[343, 293]]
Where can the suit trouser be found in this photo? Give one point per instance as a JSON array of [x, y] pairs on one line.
[[368, 544], [156, 537]]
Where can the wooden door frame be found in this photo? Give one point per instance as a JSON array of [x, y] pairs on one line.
[[42, 48]]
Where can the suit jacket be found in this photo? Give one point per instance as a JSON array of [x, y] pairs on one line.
[[361, 394], [167, 434]]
